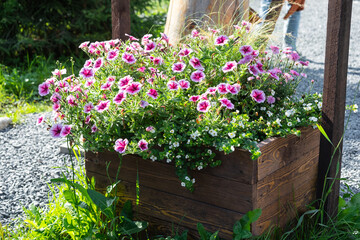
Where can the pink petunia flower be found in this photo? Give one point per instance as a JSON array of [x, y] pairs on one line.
[[66, 130], [98, 63], [211, 90], [150, 129], [143, 145], [56, 106], [229, 66], [84, 44], [233, 89], [185, 52], [246, 50], [195, 63], [194, 98], [89, 82], [184, 84], [253, 70], [58, 72], [94, 128], [133, 88], [294, 73], [102, 106], [275, 49], [87, 119], [246, 59], [125, 81], [304, 63], [128, 58], [120, 145], [213, 30], [88, 107], [111, 79], [87, 72], [226, 103], [55, 130], [222, 88], [144, 104], [106, 86], [40, 120], [55, 98], [119, 98], [258, 96], [203, 106], [145, 39], [288, 77], [71, 100], [131, 37], [178, 67], [152, 93], [141, 69], [274, 73], [150, 80], [44, 89], [51, 80], [197, 76], [164, 37], [259, 66], [112, 55], [173, 85], [270, 99], [150, 47], [158, 61], [294, 56], [221, 40], [195, 33]]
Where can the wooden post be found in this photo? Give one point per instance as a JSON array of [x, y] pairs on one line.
[[335, 76], [120, 15]]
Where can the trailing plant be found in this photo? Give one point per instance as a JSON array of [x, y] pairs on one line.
[[180, 103]]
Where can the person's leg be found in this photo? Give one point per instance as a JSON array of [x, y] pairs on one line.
[[291, 28]]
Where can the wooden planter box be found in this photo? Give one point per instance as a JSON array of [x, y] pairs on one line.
[[280, 182]]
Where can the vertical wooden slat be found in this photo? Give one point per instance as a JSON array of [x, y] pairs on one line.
[[335, 76], [120, 15]]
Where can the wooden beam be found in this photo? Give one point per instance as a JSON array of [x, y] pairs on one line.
[[334, 96], [120, 15]]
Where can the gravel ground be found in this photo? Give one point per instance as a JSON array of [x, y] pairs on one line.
[[28, 153]]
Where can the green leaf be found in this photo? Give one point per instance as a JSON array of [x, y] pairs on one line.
[[323, 133], [102, 202], [70, 196], [130, 227], [241, 228], [202, 232], [127, 210]]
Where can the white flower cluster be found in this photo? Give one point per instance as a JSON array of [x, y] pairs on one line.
[[176, 144], [269, 113], [153, 158], [307, 107], [195, 134], [290, 112], [213, 133], [232, 134], [313, 119]]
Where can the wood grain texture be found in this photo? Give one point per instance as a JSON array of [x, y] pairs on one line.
[[334, 96], [281, 180]]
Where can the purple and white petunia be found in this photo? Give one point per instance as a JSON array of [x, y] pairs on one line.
[[88, 107], [102, 106], [128, 58], [246, 59], [197, 76], [106, 86], [173, 85], [40, 120], [71, 100], [89, 82], [185, 52], [120, 145], [203, 106], [87, 119], [194, 98], [66, 130], [226, 103], [221, 40], [270, 99], [184, 84], [195, 63], [233, 89], [58, 72], [133, 88], [158, 61], [112, 55], [144, 104], [98, 63], [246, 50], [44, 89], [56, 106], [55, 130], [211, 90], [94, 128], [123, 82], [178, 67], [55, 98], [143, 145], [222, 88], [253, 70], [229, 66], [152, 93], [86, 72], [150, 46], [119, 98], [258, 96]]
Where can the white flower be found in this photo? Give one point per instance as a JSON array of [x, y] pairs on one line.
[[186, 156], [168, 160], [153, 158], [232, 134], [178, 156], [232, 148], [272, 92], [313, 119], [302, 100], [298, 119], [241, 125], [206, 128], [289, 124], [319, 105], [355, 108], [200, 167], [233, 120], [213, 133], [172, 131], [188, 141], [269, 113], [152, 130], [278, 121], [182, 184], [193, 180], [167, 154], [187, 178], [176, 144], [170, 147], [290, 112], [263, 108], [243, 134], [209, 151]]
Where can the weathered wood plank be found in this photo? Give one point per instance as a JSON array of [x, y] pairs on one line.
[[175, 209], [162, 176], [120, 17], [333, 112], [279, 152]]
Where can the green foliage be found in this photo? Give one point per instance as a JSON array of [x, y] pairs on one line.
[[242, 227]]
